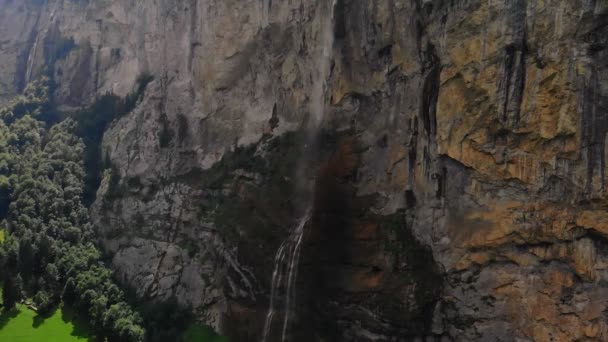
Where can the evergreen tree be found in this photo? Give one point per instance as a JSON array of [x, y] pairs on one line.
[[47, 254], [11, 291]]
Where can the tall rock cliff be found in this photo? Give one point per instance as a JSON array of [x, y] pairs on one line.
[[459, 189]]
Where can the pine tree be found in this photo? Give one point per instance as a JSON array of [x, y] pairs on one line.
[[11, 291]]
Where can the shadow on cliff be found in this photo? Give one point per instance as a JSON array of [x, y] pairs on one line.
[[359, 268]]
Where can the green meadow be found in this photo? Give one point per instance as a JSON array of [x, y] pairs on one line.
[[199, 333], [62, 325], [25, 325]]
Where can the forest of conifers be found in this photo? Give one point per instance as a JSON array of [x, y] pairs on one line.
[[48, 255]]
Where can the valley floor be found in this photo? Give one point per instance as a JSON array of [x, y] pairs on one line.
[[25, 325]]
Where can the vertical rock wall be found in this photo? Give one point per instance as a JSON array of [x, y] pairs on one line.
[[460, 189]]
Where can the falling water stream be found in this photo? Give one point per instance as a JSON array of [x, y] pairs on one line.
[[31, 59], [287, 258], [286, 269]]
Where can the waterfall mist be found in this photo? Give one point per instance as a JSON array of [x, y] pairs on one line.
[[288, 255]]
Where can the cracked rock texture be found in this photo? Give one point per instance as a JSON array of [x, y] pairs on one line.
[[460, 185]]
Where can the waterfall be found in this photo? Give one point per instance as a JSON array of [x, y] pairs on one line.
[[266, 8], [324, 57], [31, 58], [287, 258], [286, 266]]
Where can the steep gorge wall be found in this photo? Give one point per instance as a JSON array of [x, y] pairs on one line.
[[460, 189]]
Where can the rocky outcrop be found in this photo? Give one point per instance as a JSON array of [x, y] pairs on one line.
[[514, 111], [460, 186]]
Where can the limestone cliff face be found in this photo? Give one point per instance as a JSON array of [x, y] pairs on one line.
[[460, 188]]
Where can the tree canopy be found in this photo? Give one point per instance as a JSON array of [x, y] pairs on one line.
[[47, 254]]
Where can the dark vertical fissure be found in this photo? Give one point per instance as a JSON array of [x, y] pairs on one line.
[[194, 43], [595, 128], [412, 152], [430, 91], [594, 104], [512, 80], [511, 86]]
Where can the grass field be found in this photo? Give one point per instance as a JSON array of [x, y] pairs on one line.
[[25, 325], [62, 325], [198, 333]]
